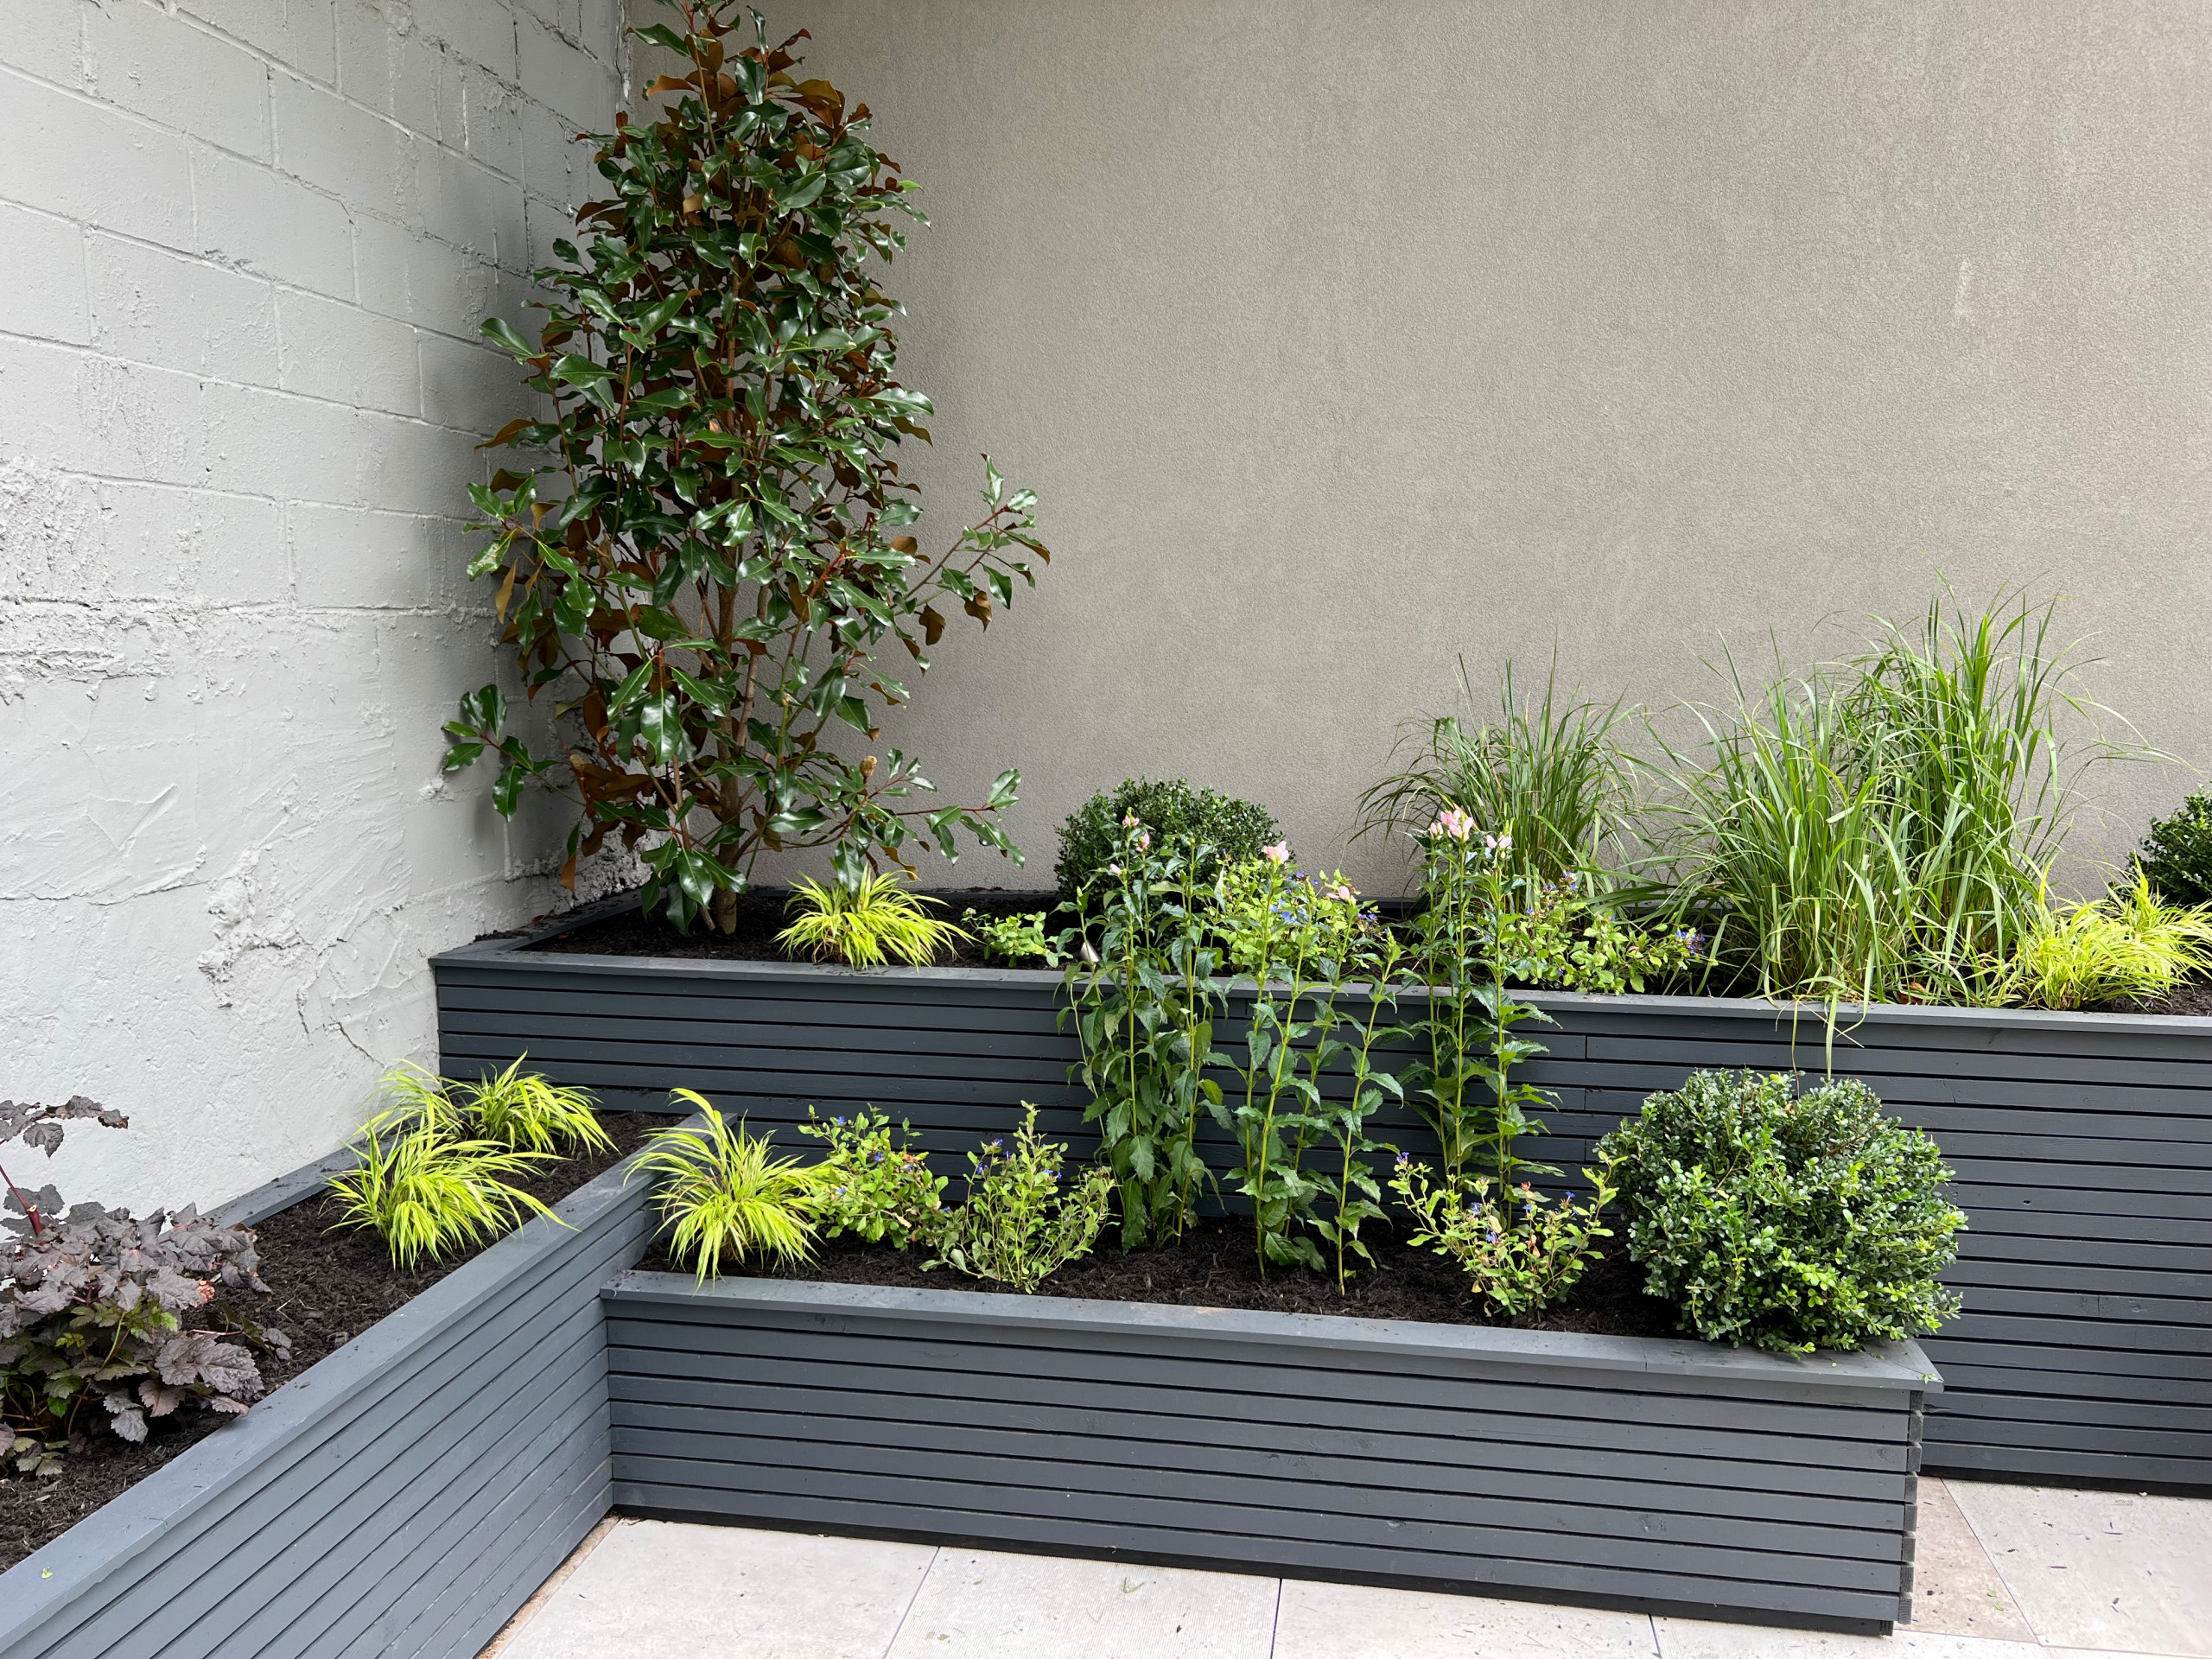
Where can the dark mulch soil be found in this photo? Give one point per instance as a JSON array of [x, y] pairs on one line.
[[2192, 997], [760, 919], [1213, 1266], [325, 1289]]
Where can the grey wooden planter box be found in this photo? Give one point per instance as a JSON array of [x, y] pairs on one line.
[[2082, 1143], [402, 1496], [1654, 1472]]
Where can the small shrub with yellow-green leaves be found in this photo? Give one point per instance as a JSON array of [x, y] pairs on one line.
[[865, 925], [724, 1192]]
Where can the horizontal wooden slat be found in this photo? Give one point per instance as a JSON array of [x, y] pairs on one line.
[[970, 1484], [1277, 1387], [1507, 1439], [1352, 1477], [1707, 1483]]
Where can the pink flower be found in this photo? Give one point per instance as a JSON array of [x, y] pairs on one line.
[[1454, 822], [1342, 892], [1279, 853], [1128, 821], [1144, 841]]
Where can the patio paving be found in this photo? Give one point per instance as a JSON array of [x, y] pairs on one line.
[[2002, 1573]]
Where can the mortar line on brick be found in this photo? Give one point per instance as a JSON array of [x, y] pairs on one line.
[[270, 62], [367, 410]]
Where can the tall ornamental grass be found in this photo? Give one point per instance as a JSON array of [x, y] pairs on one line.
[[1792, 849], [1881, 830], [1547, 771]]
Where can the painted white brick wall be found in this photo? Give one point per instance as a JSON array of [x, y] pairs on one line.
[[245, 245]]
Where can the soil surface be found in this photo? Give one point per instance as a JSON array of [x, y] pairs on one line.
[[1213, 1266], [325, 1288], [2192, 997], [760, 918]]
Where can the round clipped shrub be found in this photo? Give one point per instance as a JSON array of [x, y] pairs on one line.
[[1788, 1221], [2177, 854], [1177, 814]]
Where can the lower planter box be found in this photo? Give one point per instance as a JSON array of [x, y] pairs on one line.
[[1662, 1473], [405, 1496]]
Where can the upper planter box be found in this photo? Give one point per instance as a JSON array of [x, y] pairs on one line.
[[2082, 1142]]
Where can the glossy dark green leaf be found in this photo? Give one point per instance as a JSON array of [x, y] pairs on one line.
[[502, 334]]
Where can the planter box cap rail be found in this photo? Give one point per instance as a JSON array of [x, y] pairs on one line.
[[1893, 1365]]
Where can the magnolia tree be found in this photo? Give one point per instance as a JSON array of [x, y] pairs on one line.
[[703, 555]]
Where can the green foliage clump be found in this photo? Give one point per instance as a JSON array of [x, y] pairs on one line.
[[1549, 776], [435, 1165], [518, 1109], [1466, 1050], [1017, 938], [1305, 942], [726, 1193], [1017, 1226], [2177, 854], [430, 1195], [1564, 937], [2131, 946], [871, 1187], [1202, 828], [865, 923], [1878, 832], [1784, 1221], [702, 548], [1521, 1250], [1142, 993]]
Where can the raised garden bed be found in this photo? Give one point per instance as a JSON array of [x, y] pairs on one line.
[[404, 1494], [2082, 1142], [326, 1288], [1650, 1471]]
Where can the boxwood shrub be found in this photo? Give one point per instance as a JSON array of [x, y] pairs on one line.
[[2177, 854], [1785, 1220], [1177, 814]]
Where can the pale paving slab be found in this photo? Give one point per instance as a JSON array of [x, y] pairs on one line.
[[980, 1604], [2102, 1570], [662, 1587], [1691, 1638], [1338, 1621], [1955, 1589]]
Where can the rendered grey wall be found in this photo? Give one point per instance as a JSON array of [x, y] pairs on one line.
[[1342, 340], [245, 245]]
